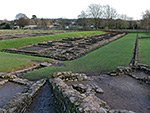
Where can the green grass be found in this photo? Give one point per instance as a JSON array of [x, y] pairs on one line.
[[26, 41], [107, 58], [144, 51], [10, 62], [144, 34]]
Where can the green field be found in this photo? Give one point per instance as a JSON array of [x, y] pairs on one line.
[[144, 34], [107, 58], [144, 51], [10, 62]]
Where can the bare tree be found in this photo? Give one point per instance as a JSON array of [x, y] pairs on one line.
[[146, 20], [82, 20], [122, 21], [95, 11], [110, 13]]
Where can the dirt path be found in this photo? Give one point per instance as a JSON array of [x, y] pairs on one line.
[[124, 92], [8, 91], [44, 102]]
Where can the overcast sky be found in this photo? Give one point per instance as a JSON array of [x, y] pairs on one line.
[[67, 8]]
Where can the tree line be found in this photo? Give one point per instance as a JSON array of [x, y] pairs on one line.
[[106, 17], [95, 17]]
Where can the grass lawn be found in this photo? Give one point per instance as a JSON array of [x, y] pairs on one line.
[[26, 41], [107, 58], [144, 34], [10, 62], [144, 51]]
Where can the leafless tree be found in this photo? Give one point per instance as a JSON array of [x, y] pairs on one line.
[[146, 19], [82, 20], [95, 11], [110, 13]]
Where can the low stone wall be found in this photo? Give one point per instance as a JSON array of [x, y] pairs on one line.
[[22, 101], [16, 73], [134, 60], [72, 101], [3, 82], [146, 69], [122, 70], [79, 98]]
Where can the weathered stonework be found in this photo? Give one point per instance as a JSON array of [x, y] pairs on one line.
[[121, 71], [68, 48], [21, 81], [22, 101], [3, 82], [69, 76], [79, 98], [75, 99], [16, 73]]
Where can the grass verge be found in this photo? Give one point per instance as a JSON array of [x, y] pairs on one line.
[[10, 62], [107, 58], [144, 51]]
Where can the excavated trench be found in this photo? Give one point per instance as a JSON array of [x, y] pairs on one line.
[[44, 102], [8, 91]]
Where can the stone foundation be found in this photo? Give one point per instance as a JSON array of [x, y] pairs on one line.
[[78, 98], [68, 48], [22, 101]]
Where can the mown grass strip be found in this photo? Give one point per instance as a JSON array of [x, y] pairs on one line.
[[144, 51], [107, 58], [10, 62], [26, 41]]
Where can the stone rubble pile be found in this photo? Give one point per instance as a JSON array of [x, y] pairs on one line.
[[121, 71], [69, 76], [88, 89]]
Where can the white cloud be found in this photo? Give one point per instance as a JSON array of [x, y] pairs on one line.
[[67, 8]]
